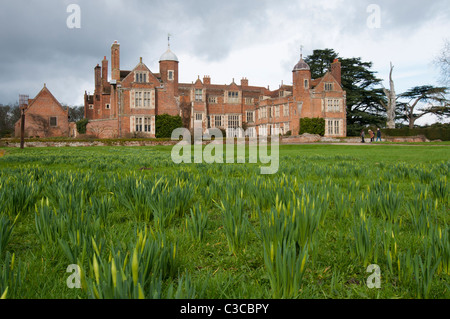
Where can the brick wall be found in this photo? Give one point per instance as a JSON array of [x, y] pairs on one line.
[[102, 128], [39, 114], [306, 97]]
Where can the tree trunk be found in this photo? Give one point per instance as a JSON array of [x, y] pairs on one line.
[[392, 101], [22, 130], [412, 120]]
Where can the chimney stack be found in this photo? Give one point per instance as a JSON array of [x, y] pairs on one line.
[[336, 71], [98, 77], [244, 82], [115, 61], [206, 80], [104, 71]]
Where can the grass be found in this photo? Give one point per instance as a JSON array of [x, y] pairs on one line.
[[386, 205]]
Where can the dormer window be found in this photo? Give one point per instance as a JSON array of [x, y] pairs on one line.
[[328, 86]]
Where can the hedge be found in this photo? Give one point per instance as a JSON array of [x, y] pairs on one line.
[[431, 133], [165, 124], [312, 126]]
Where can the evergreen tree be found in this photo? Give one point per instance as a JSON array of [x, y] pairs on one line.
[[364, 94], [421, 100]]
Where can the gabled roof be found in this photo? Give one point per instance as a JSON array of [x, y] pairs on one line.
[[137, 66], [331, 74], [315, 82], [233, 85], [327, 76], [198, 82], [45, 90]]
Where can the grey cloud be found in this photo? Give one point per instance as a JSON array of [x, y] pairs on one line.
[[37, 46], [401, 15]]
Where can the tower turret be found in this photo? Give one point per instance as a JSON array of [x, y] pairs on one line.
[[301, 78], [168, 68]]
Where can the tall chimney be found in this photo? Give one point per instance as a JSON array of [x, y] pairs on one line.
[[98, 77], [115, 61], [104, 71], [206, 80], [336, 70]]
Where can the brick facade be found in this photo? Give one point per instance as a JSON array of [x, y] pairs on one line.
[[44, 117], [128, 104]]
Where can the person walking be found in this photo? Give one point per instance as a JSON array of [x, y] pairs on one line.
[[362, 136], [372, 136], [378, 135]]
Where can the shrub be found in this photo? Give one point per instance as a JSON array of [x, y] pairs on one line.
[[81, 126], [165, 124], [312, 126]]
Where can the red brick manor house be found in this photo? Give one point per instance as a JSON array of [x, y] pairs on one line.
[[130, 100]]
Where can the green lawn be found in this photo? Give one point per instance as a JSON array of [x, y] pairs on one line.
[[225, 230]]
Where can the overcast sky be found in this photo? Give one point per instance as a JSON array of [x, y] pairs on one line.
[[256, 39]]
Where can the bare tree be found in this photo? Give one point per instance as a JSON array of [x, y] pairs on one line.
[[443, 63], [5, 125], [391, 101], [76, 113], [9, 115]]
